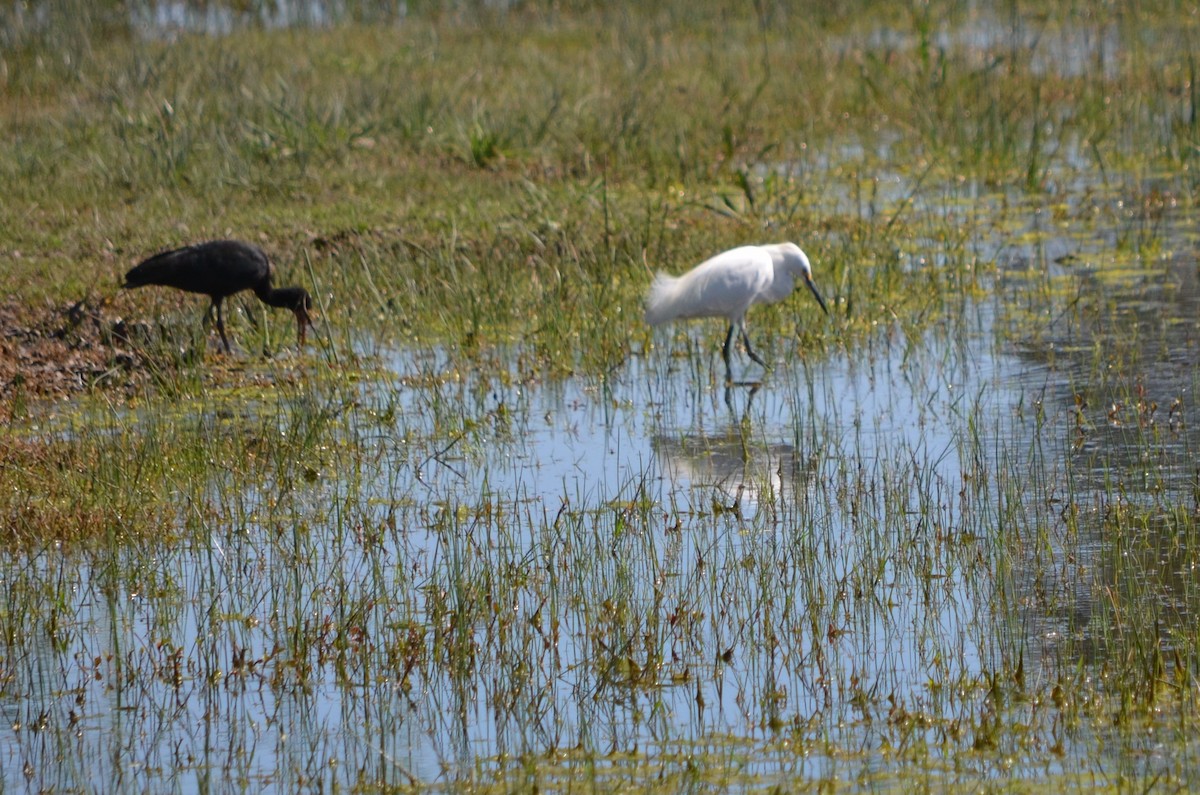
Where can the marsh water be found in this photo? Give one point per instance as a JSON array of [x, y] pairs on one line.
[[911, 548], [799, 556]]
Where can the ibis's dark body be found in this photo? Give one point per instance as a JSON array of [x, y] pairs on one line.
[[219, 269]]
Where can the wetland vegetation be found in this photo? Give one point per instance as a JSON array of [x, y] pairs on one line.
[[487, 530]]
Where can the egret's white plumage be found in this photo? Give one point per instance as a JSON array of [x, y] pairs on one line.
[[727, 285]]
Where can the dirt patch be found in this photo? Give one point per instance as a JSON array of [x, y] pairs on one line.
[[56, 351]]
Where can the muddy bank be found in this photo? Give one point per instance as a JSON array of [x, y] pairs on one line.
[[58, 350]]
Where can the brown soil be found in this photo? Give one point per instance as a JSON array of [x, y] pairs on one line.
[[56, 351]]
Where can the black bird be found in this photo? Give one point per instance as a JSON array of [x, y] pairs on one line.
[[220, 268]]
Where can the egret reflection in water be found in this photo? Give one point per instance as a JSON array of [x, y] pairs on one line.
[[744, 473]]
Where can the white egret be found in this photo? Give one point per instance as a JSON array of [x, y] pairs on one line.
[[727, 285]]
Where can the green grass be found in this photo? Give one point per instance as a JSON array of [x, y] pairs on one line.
[[606, 134]]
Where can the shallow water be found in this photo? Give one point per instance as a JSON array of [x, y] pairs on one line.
[[653, 565], [830, 531], [730, 474]]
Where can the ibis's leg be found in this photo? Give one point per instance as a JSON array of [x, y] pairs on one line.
[[725, 353], [301, 326], [221, 325], [749, 349]]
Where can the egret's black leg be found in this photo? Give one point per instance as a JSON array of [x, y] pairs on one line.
[[725, 353], [750, 350]]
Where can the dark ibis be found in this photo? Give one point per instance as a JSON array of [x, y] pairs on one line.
[[218, 269]]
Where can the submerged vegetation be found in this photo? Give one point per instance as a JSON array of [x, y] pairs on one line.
[[487, 529]]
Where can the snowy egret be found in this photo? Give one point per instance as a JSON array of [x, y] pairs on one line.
[[727, 285], [220, 268]]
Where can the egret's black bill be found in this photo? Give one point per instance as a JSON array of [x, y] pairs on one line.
[[817, 295]]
